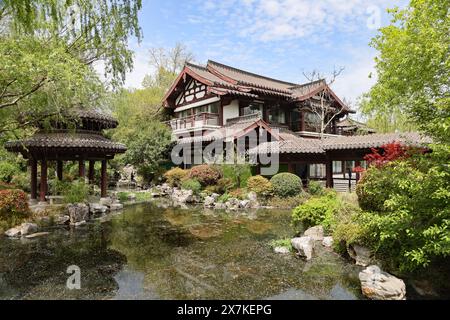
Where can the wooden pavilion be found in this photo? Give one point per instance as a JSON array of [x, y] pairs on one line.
[[78, 138]]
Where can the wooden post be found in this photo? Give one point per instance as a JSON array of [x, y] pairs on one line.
[[291, 167], [43, 189], [91, 171], [329, 173], [81, 169], [104, 180], [59, 170], [33, 165]]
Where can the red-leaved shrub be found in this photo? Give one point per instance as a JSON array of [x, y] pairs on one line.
[[205, 174], [13, 207]]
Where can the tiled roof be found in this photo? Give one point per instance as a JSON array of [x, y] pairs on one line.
[[66, 140], [108, 121], [374, 140]]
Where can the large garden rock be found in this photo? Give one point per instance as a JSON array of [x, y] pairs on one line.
[[209, 202], [244, 204], [327, 242], [220, 206], [304, 246], [27, 228], [106, 201], [97, 208], [13, 232], [361, 255], [232, 204], [281, 250], [116, 206], [183, 196], [78, 212], [316, 233], [379, 285], [252, 196], [62, 219], [165, 189]]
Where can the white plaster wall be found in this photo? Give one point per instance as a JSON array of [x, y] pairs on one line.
[[230, 111]]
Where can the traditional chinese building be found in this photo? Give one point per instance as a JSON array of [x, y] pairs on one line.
[[217, 102]]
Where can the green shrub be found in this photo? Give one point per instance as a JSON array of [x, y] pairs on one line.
[[13, 208], [224, 198], [123, 196], [287, 202], [22, 181], [206, 174], [238, 194], [223, 186], [317, 211], [238, 173], [286, 243], [410, 218], [260, 185], [315, 188], [175, 176], [76, 192], [286, 184], [8, 170], [192, 184]]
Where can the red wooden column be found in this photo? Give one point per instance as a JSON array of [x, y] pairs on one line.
[[59, 170], [291, 167], [81, 169], [91, 171], [329, 173], [43, 189], [33, 166], [104, 180]]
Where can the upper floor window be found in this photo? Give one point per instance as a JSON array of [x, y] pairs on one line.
[[252, 108], [276, 115], [312, 122]]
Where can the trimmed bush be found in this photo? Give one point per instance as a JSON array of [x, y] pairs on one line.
[[206, 174], [260, 185], [175, 176], [223, 186], [315, 188], [238, 194], [317, 211], [13, 208], [192, 184], [286, 184]]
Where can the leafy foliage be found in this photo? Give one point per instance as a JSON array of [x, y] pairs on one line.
[[260, 185], [239, 173], [315, 188], [317, 211], [7, 171], [413, 68], [13, 208], [75, 192], [286, 184], [206, 174], [175, 176], [408, 209], [286, 243], [192, 184]]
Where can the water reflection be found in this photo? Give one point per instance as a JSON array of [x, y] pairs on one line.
[[158, 252]]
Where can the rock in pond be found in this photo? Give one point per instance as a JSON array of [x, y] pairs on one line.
[[327, 242], [232, 204], [281, 250], [361, 255], [97, 208], [244, 204], [13, 232], [316, 233], [27, 228], [183, 196], [209, 202], [63, 219], [78, 212], [220, 206], [106, 201], [116, 206], [37, 234], [379, 285], [304, 246]]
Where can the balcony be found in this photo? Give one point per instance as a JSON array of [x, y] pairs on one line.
[[197, 121]]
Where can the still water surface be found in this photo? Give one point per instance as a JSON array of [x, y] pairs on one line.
[[154, 251]]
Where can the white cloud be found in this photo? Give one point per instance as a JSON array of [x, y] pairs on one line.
[[140, 69]]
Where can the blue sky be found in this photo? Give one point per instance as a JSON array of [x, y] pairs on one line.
[[276, 38]]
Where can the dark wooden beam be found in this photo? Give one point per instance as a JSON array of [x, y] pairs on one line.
[[81, 169], [59, 170], [91, 171], [43, 187], [104, 180], [33, 182], [329, 174]]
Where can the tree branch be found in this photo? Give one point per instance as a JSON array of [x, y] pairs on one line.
[[22, 96]]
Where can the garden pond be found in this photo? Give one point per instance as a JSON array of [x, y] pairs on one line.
[[156, 251]]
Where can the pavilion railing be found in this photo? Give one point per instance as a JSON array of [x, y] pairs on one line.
[[197, 120]]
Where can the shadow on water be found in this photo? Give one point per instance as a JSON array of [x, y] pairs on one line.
[[160, 252]]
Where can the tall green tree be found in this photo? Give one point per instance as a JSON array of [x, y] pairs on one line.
[[413, 68], [48, 50]]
